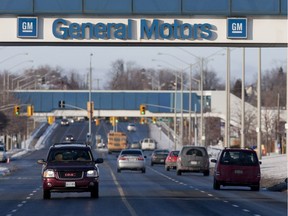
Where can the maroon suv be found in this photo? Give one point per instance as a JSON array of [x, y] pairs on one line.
[[237, 167], [70, 168]]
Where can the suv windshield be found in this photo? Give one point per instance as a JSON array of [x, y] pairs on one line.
[[58, 155], [244, 158]]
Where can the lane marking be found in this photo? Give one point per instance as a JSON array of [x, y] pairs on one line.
[[122, 194], [196, 189]]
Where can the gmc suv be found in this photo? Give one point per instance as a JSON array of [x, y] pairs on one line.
[[70, 168]]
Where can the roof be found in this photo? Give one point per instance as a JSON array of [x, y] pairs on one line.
[[70, 145]]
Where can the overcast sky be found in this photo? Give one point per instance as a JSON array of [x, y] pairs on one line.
[[78, 59]]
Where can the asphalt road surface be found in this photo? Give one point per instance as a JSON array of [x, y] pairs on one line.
[[156, 192]]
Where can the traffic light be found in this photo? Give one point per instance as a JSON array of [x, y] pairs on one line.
[[114, 120], [51, 119], [154, 120], [142, 109], [61, 104], [30, 110], [17, 110], [142, 121]]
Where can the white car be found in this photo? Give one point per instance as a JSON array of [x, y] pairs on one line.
[[131, 127], [3, 155], [101, 145], [148, 144]]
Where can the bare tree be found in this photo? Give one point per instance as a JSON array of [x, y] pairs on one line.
[[210, 80], [269, 118]]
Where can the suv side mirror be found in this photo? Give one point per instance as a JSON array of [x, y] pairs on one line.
[[99, 160], [42, 161], [213, 160]]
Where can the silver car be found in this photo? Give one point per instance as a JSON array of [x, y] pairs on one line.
[[131, 159]]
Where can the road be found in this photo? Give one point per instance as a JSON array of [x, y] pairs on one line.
[[156, 192]]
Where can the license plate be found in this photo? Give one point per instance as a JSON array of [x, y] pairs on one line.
[[238, 171], [193, 162], [162, 160], [70, 184]]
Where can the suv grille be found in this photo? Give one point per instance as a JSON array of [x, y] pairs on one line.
[[65, 175]]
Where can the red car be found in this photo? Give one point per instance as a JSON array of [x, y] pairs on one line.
[[171, 160], [237, 167]]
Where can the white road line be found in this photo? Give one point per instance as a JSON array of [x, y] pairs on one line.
[[122, 194], [211, 195]]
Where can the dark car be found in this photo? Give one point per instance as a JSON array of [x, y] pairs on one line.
[[237, 167], [159, 156], [69, 138], [64, 122], [70, 168], [193, 159], [171, 160]]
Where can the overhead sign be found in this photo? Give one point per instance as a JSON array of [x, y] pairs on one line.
[[204, 31], [27, 27], [237, 28], [155, 29]]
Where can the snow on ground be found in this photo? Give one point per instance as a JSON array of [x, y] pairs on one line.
[[274, 166]]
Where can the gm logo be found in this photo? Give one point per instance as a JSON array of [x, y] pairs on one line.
[[27, 27], [237, 28]]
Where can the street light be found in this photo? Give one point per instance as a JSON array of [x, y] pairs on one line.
[[201, 59], [90, 87], [4, 60], [181, 109], [13, 56], [9, 74], [201, 105]]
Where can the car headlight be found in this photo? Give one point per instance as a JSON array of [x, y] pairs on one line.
[[92, 173], [49, 174]]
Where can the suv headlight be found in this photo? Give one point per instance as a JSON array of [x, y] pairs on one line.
[[92, 173], [49, 174]]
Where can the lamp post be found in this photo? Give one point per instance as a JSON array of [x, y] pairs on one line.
[[4, 80], [259, 106], [182, 70], [190, 92], [20, 63], [243, 100], [201, 59], [227, 122], [181, 107], [90, 87]]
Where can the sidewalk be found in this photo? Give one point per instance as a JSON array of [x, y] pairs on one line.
[[7, 168]]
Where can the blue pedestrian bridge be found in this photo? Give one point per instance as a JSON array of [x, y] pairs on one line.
[[112, 103]]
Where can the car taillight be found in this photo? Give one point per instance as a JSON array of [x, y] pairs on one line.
[[140, 158], [122, 158]]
